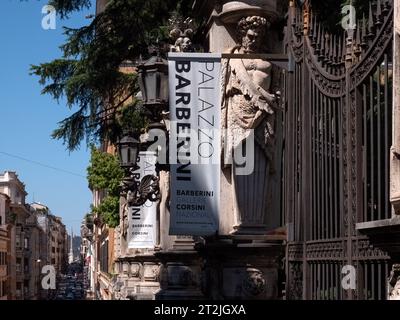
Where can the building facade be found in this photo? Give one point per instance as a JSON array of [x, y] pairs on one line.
[[32, 262], [19, 212], [334, 204], [31, 238], [54, 238], [5, 272]]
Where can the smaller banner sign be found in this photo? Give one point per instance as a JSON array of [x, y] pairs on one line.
[[143, 220]]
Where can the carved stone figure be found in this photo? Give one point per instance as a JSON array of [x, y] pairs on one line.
[[248, 108], [254, 282], [394, 283], [182, 33]]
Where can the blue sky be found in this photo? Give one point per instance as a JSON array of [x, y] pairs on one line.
[[27, 118]]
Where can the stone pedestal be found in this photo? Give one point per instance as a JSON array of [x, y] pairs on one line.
[[138, 277], [242, 269], [395, 154], [180, 275], [243, 261]]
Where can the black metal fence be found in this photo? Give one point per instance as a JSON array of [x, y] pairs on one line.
[[336, 159]]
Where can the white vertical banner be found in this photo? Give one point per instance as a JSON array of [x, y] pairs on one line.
[[195, 138], [143, 220]]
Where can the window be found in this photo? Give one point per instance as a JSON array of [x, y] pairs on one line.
[[3, 258], [26, 243], [18, 242], [18, 265], [104, 256], [18, 291], [1, 220]]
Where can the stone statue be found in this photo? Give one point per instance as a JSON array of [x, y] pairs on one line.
[[248, 108], [181, 33]]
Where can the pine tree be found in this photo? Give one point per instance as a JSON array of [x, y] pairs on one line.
[[88, 74]]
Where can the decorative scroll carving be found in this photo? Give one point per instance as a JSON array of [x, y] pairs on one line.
[[181, 33], [345, 157], [354, 164], [295, 285], [254, 283], [298, 50], [374, 54], [325, 250], [394, 283], [363, 249], [295, 252], [332, 86]]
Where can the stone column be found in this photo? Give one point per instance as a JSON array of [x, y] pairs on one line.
[[244, 260], [235, 270], [395, 154], [137, 269], [180, 262]]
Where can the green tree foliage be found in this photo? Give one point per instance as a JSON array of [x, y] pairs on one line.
[[88, 74], [104, 173], [65, 7], [109, 211]]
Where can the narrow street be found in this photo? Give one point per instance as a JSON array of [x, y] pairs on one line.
[[71, 285]]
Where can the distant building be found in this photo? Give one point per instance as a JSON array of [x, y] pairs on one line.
[[71, 248], [5, 277], [74, 247], [54, 238], [32, 266], [19, 212], [30, 238]]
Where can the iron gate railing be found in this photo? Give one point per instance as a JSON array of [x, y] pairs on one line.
[[337, 144]]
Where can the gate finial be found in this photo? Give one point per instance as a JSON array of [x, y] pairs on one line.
[[306, 18]]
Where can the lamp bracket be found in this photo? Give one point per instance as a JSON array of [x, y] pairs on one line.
[[138, 193]]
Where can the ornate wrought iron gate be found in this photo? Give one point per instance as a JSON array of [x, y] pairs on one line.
[[337, 145]]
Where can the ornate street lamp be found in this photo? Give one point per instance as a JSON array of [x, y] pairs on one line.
[[137, 193], [153, 82], [128, 149]]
